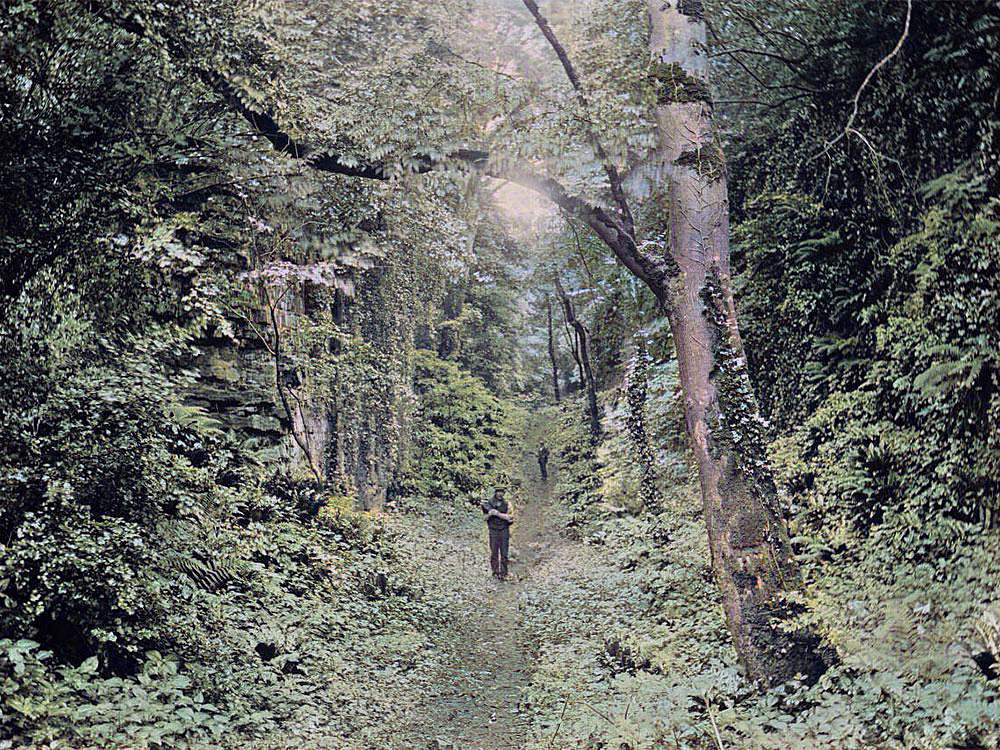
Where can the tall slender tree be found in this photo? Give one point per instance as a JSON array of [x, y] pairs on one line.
[[746, 531], [681, 251], [583, 347], [552, 351]]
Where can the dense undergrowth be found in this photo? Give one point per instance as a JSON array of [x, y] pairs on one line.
[[661, 672], [253, 610], [264, 609], [465, 438], [869, 290]]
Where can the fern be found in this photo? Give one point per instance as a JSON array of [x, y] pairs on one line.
[[211, 575], [195, 418]]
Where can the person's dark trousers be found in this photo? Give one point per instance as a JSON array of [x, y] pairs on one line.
[[499, 544]]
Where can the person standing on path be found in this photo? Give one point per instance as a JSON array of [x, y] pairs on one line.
[[498, 519], [543, 461]]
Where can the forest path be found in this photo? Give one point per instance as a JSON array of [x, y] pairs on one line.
[[486, 650]]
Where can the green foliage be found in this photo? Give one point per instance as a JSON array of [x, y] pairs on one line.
[[88, 468], [490, 325], [573, 449], [915, 446], [641, 656], [796, 290], [868, 292], [636, 388], [465, 439], [167, 580], [75, 706]]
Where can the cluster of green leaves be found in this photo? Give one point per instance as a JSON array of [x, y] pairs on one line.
[[869, 263], [465, 438], [66, 705]]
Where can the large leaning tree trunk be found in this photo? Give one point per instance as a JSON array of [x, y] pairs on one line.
[[746, 530]]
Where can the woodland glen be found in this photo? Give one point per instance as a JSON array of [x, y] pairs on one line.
[[309, 308]]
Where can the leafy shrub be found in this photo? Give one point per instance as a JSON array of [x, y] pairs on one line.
[[76, 707], [464, 437], [643, 658], [916, 446], [86, 472]]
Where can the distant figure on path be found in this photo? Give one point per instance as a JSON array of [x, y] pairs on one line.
[[498, 519], [543, 460]]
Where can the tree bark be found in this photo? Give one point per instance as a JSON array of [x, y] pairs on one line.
[[746, 531], [583, 337], [552, 352], [574, 334], [280, 384], [573, 342]]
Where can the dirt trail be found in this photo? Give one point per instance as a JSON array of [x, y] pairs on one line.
[[484, 652]]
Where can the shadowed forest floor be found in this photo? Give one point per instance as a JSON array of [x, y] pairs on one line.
[[488, 649]]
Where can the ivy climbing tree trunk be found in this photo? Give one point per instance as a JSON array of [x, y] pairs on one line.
[[573, 342], [449, 329], [552, 352], [636, 388], [746, 531]]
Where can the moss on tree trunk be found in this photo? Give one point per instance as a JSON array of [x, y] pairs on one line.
[[749, 545]]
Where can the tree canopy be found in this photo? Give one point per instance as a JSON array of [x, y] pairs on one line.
[[288, 287]]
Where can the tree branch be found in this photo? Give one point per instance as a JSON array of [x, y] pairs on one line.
[[762, 83], [263, 122], [583, 260], [763, 53], [617, 234], [583, 339], [757, 102], [607, 228], [614, 178], [301, 441], [849, 128]]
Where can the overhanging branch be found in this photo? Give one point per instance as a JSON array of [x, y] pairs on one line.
[[615, 232], [604, 225], [263, 122], [614, 178]]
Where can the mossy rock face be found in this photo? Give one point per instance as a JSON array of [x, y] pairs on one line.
[[222, 369], [674, 86], [265, 424]]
